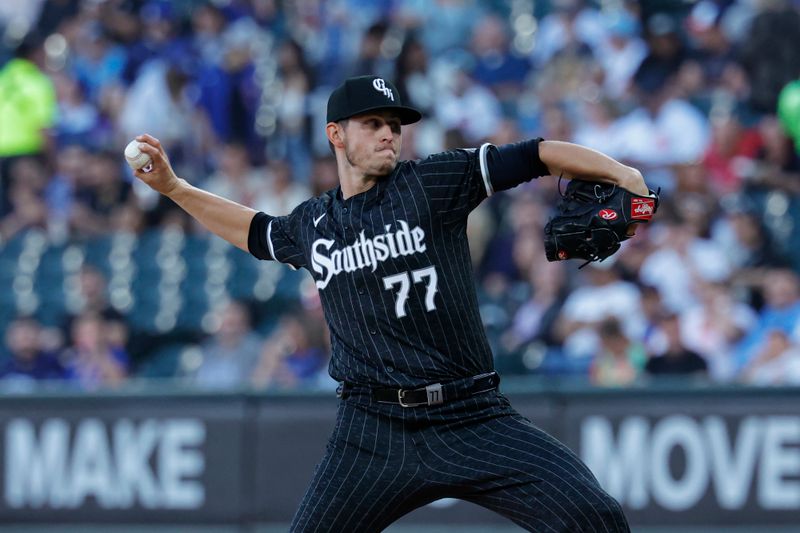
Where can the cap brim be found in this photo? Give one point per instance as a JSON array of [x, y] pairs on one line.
[[408, 115]]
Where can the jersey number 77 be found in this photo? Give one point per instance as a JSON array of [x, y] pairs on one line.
[[404, 280]]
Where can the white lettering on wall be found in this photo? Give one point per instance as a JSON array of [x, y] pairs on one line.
[[732, 466], [633, 462], [780, 461], [180, 463], [618, 465], [153, 463], [674, 493]]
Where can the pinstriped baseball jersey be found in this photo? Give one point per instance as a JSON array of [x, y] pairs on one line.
[[393, 269], [394, 273]]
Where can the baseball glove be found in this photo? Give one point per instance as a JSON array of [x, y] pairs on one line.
[[593, 219]]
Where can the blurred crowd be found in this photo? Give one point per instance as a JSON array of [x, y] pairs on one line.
[[703, 97]]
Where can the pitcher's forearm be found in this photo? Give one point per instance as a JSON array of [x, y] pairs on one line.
[[220, 216], [575, 161]]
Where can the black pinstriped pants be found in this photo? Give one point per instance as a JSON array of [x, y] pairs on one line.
[[384, 461]]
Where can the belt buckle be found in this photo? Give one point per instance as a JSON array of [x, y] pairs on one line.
[[400, 394]]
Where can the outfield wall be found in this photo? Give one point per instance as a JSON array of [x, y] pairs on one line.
[[671, 456]]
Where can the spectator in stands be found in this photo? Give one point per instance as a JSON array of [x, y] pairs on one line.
[[294, 121], [443, 25], [777, 363], [603, 294], [676, 359], [293, 356], [98, 63], [712, 63], [598, 128], [714, 325], [666, 48], [464, 104], [230, 355], [781, 311], [535, 320], [634, 252], [128, 219], [497, 299], [516, 245], [620, 53], [730, 153], [747, 243], [71, 161], [283, 192], [209, 23], [100, 190], [157, 22], [323, 174], [571, 25], [663, 132], [777, 165], [53, 14], [78, 118], [680, 259], [27, 179], [412, 77], [371, 58], [236, 177], [619, 361], [571, 68], [93, 290], [653, 310], [267, 14], [225, 77], [496, 66], [27, 109], [91, 359], [775, 29], [28, 360]]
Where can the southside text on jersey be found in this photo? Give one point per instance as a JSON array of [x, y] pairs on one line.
[[365, 252]]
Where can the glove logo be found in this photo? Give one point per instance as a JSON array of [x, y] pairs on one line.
[[643, 208], [608, 214]]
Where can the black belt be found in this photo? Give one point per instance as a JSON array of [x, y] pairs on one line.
[[437, 393]]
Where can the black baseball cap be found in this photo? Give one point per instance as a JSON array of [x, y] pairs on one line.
[[368, 93]]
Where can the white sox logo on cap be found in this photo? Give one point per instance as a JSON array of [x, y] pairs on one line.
[[380, 86]]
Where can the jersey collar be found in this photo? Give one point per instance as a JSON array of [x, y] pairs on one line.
[[369, 197]]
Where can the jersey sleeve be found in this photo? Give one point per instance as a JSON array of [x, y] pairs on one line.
[[509, 165], [278, 238], [457, 181]]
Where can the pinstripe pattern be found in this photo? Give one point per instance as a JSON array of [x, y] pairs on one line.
[[396, 284], [370, 344], [383, 461]]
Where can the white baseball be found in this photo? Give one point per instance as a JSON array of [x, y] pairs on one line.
[[136, 158]]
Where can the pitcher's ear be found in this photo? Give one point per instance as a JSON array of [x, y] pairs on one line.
[[335, 131]]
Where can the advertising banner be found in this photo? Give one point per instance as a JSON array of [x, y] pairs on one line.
[[670, 458], [726, 459], [121, 458]]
